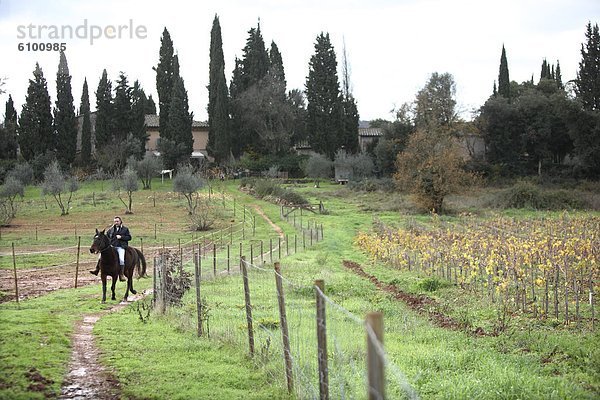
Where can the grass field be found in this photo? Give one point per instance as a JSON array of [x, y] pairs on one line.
[[163, 358]]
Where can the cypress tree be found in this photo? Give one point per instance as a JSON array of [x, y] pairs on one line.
[[324, 111], [86, 127], [150, 107], [8, 135], [255, 61], [588, 76], [350, 110], [179, 141], [237, 127], [559, 76], [65, 123], [503, 78], [164, 80], [138, 118], [276, 64], [219, 142], [104, 112], [122, 109], [10, 113], [36, 136]]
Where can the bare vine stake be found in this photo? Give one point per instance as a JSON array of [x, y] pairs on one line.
[[284, 329], [248, 306], [77, 263], [15, 269]]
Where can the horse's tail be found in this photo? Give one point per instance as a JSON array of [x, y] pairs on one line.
[[142, 260]]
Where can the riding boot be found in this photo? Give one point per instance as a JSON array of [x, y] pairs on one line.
[[95, 272], [122, 273]]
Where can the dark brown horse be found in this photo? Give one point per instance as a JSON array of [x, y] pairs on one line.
[[109, 263]]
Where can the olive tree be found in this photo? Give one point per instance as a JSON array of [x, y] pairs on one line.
[[318, 167], [128, 182], [59, 186], [9, 191], [187, 183]]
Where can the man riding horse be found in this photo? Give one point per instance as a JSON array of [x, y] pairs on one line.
[[119, 237]]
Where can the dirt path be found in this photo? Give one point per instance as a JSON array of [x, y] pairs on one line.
[[273, 225], [87, 378]]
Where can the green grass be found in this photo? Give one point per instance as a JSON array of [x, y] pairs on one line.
[[164, 359], [36, 334]]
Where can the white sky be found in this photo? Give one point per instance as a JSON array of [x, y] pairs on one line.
[[392, 46]]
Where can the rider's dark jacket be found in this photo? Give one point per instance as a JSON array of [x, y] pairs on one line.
[[112, 233]]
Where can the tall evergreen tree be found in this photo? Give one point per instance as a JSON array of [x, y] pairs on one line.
[[10, 113], [236, 124], [65, 123], [588, 76], [219, 141], [138, 118], [150, 107], [122, 109], [276, 63], [36, 136], [177, 145], [503, 78], [86, 126], [558, 77], [104, 112], [350, 110], [255, 59], [324, 110], [8, 134], [164, 80]]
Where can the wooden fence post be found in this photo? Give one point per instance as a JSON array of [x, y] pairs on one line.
[[228, 259], [322, 341], [15, 269], [287, 245], [248, 306], [163, 282], [279, 247], [271, 250], [374, 361], [154, 286], [284, 329], [214, 259], [262, 257], [77, 262], [198, 298]]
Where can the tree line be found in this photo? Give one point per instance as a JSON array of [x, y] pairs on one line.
[[548, 126]]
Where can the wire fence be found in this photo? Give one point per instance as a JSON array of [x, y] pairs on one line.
[[304, 340]]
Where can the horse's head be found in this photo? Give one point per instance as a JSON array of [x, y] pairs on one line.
[[100, 242]]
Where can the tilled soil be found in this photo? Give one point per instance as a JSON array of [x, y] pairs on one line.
[[39, 281]]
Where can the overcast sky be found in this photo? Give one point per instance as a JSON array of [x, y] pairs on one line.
[[392, 46]]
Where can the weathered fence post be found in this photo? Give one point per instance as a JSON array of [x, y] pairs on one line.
[[163, 282], [154, 286], [284, 328], [374, 361], [15, 269], [228, 259], [214, 259], [77, 262], [279, 247], [270, 250], [262, 257], [198, 298], [248, 306], [322, 341], [142, 245], [287, 245]]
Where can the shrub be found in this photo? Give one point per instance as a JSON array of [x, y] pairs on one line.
[[431, 284], [525, 194]]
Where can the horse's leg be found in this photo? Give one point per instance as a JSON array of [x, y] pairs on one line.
[[112, 287], [103, 288]]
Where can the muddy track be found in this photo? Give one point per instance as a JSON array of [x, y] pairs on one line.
[[87, 378], [422, 304], [275, 227]]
